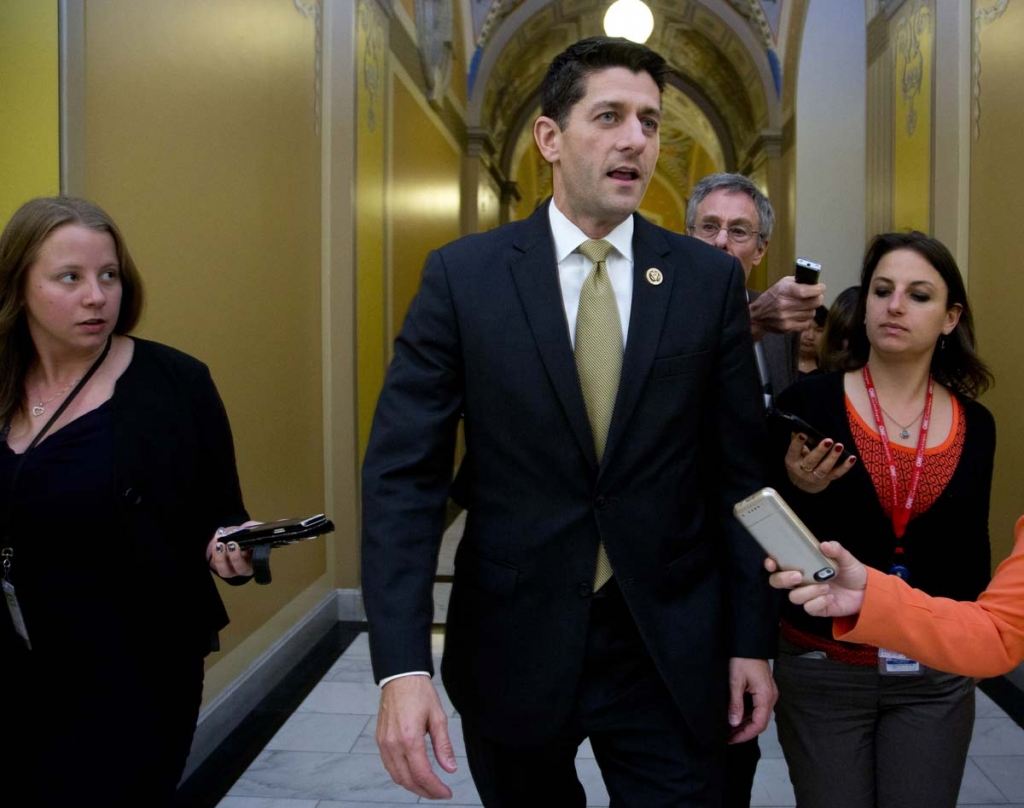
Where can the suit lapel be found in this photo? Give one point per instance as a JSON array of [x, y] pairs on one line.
[[535, 274], [646, 321]]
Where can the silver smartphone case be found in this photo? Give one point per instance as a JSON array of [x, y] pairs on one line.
[[783, 536]]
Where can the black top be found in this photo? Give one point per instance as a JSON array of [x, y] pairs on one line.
[[134, 491], [946, 547], [67, 566]]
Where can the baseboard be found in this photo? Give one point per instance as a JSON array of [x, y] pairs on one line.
[[350, 606], [233, 704]]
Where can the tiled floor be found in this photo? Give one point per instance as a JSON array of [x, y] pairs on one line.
[[325, 755]]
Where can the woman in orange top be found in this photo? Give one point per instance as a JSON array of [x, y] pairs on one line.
[[983, 638]]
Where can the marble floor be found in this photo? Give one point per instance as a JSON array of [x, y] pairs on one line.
[[324, 756]]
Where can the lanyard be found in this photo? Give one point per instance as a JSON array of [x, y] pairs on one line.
[[900, 515], [9, 510]]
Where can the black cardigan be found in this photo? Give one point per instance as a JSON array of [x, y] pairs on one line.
[[177, 483], [946, 547]]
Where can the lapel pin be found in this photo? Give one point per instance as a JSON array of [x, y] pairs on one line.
[[654, 276]]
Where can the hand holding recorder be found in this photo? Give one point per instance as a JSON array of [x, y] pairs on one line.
[[783, 536], [842, 596], [251, 543], [789, 305]]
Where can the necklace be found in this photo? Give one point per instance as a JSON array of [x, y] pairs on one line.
[[40, 408], [904, 430]]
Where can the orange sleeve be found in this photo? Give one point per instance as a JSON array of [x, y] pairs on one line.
[[983, 638]]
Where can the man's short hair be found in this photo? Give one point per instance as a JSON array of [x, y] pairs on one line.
[[733, 184], [565, 82]]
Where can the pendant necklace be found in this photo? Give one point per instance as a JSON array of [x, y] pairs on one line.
[[40, 408], [904, 430]]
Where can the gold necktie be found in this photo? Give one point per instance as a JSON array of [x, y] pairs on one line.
[[598, 359]]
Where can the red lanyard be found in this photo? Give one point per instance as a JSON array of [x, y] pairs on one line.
[[900, 515]]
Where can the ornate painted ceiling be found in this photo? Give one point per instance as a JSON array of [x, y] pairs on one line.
[[719, 50]]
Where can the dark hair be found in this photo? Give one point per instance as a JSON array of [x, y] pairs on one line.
[[22, 238], [732, 184], [840, 324], [955, 361], [820, 314], [565, 82]]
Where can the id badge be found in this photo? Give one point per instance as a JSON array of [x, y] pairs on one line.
[[15, 609], [893, 663]]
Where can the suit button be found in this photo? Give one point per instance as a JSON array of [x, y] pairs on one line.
[[133, 496], [601, 503], [585, 590]]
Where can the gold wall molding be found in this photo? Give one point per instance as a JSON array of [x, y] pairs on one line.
[[982, 14], [315, 12]]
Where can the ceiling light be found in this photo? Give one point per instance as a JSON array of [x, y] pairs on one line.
[[630, 19]]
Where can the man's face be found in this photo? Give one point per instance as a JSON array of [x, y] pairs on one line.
[[732, 210], [603, 160]]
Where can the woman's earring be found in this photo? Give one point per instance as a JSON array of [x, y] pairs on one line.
[[942, 342]]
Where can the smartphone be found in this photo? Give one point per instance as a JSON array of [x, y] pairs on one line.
[[783, 536], [806, 271], [814, 436], [281, 532]]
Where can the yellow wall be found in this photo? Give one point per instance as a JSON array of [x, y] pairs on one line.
[[526, 178], [200, 142], [701, 164], [913, 34], [996, 282], [662, 206], [371, 300], [424, 194], [29, 103]]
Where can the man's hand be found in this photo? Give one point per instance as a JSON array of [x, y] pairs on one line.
[[786, 306], [842, 596], [751, 676], [410, 709]]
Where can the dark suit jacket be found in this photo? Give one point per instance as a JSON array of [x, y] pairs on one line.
[[486, 339], [176, 483], [781, 356]]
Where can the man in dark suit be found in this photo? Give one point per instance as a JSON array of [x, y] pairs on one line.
[[568, 480], [730, 212]]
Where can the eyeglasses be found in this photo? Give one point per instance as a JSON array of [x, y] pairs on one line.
[[738, 234]]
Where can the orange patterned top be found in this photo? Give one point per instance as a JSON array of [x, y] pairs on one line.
[[940, 461]]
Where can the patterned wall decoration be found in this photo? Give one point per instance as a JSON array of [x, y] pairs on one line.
[[315, 12], [982, 14], [912, 35], [765, 16], [909, 32], [434, 35], [371, 67], [487, 15]]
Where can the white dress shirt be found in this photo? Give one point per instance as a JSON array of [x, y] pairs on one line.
[[573, 267]]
